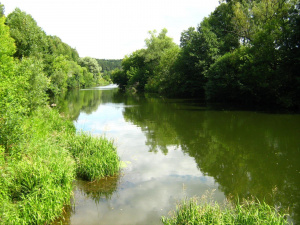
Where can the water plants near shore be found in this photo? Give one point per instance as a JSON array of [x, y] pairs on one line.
[[37, 172], [95, 157], [196, 211]]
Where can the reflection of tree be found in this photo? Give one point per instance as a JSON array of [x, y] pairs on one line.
[[86, 101], [100, 189], [247, 153]]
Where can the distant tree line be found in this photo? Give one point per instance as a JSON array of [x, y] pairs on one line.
[[58, 64], [244, 53], [108, 65]]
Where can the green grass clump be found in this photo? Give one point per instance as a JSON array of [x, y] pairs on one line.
[[37, 173], [38, 170], [195, 212], [96, 157]]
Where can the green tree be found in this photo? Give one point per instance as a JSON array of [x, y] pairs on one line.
[[30, 39], [57, 47], [142, 66], [12, 102], [2, 9], [199, 50], [165, 79], [93, 67], [35, 83], [119, 77]]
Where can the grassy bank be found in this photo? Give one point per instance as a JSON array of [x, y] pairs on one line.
[[37, 172], [195, 211]]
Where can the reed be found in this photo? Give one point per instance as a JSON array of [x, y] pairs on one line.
[[95, 157], [195, 211], [37, 173]]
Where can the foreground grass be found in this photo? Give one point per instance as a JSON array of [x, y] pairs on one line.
[[194, 212], [37, 172]]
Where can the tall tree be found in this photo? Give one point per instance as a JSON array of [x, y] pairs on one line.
[[2, 9], [30, 39]]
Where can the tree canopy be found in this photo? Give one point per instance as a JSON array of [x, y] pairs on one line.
[[245, 52]]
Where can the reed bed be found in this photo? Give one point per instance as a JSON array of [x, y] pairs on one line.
[[194, 211], [95, 157]]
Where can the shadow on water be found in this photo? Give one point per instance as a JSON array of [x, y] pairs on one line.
[[247, 153], [100, 190]]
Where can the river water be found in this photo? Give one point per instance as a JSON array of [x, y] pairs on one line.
[[172, 149]]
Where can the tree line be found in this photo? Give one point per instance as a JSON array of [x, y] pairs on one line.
[[244, 53], [58, 64], [108, 65]]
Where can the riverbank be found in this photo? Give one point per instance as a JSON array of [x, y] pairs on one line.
[[38, 170]]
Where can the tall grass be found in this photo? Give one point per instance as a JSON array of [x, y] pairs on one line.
[[195, 211], [96, 157], [37, 173]]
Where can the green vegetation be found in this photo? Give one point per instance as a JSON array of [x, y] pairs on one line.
[[108, 65], [37, 173], [38, 158], [59, 62], [243, 53], [253, 212], [95, 156]]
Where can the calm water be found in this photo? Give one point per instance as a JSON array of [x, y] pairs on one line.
[[174, 149]]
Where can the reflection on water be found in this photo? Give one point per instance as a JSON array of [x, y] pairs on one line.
[[177, 148]]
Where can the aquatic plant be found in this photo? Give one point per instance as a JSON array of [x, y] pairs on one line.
[[195, 211], [95, 157]]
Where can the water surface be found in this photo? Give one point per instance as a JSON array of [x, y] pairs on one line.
[[174, 149]]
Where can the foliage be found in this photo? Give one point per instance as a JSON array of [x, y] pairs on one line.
[[11, 101], [141, 69], [244, 52], [2, 9], [38, 173], [37, 170], [258, 71], [108, 65], [35, 83], [57, 47], [95, 156], [92, 66], [249, 212], [30, 39], [119, 77]]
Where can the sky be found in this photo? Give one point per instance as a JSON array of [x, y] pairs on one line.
[[111, 29]]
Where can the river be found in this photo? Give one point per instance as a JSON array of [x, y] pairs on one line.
[[174, 148]]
